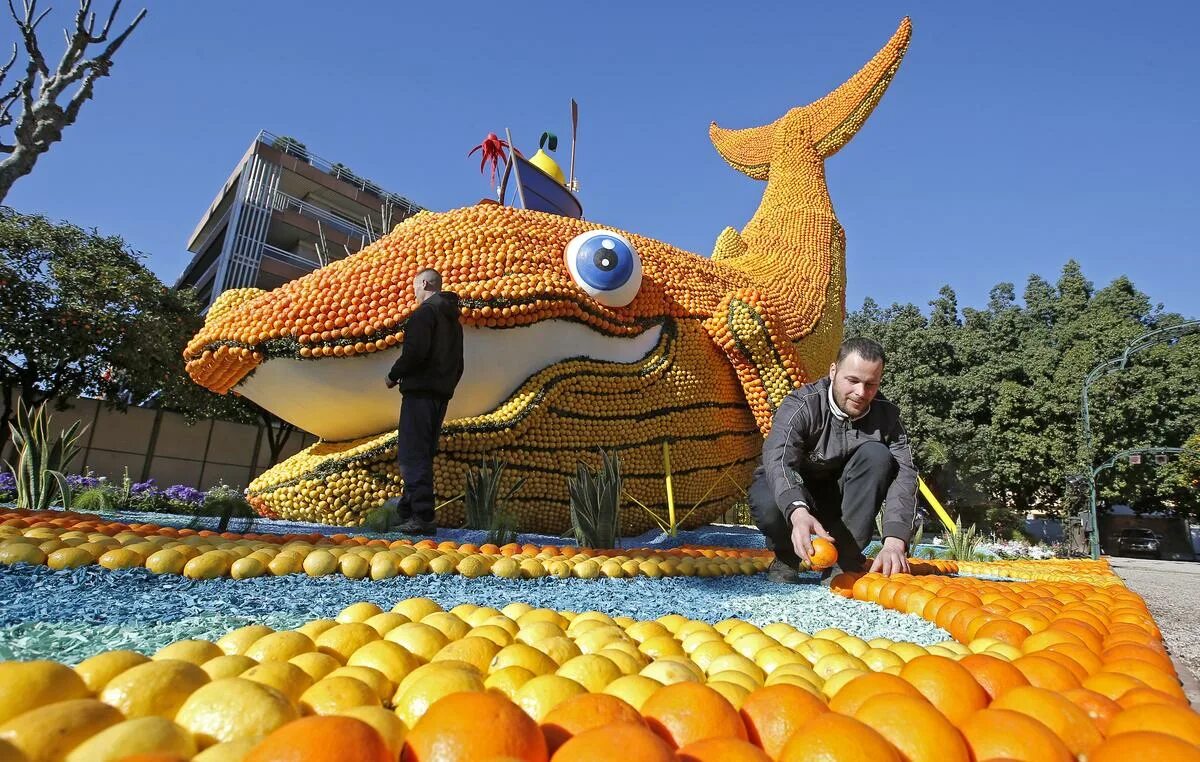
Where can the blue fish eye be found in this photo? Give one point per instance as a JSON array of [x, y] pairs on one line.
[[606, 266]]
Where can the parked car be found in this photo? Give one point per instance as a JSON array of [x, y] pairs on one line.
[[1134, 541]]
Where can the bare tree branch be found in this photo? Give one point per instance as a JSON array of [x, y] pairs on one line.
[[43, 118]]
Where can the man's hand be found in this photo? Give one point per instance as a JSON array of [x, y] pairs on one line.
[[804, 526], [391, 384], [892, 558]]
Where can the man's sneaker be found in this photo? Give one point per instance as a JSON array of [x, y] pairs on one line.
[[417, 526], [781, 572]]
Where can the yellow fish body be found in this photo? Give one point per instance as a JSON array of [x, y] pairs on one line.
[[691, 350]]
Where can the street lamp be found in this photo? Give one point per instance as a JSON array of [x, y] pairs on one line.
[[1169, 334]]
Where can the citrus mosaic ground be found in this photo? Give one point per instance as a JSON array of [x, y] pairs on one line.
[[1059, 662]]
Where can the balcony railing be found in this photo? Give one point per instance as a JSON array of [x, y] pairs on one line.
[[403, 206], [287, 257], [284, 202]]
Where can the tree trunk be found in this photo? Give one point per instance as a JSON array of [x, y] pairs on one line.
[[277, 437], [18, 164]]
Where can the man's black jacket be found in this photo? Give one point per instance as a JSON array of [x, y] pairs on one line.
[[431, 356], [809, 441]]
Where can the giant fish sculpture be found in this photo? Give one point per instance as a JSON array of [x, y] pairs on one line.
[[578, 336]]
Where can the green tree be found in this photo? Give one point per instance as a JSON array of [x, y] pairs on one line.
[[81, 314]]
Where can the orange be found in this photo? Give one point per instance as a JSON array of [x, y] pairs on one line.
[[948, 686], [1111, 684], [995, 676], [1081, 655], [824, 553], [617, 741], [153, 756], [1148, 674], [912, 725], [1044, 672], [833, 736], [1145, 746], [1004, 734], [1100, 708], [1137, 696], [1134, 651], [1070, 723], [774, 713], [584, 712], [1169, 719], [685, 712], [469, 725], [856, 692], [322, 739], [722, 750], [1074, 667], [1005, 631]]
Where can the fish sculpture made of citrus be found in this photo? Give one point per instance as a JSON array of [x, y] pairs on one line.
[[578, 336]]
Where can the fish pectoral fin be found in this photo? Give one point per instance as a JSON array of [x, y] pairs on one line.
[[765, 361], [729, 245]]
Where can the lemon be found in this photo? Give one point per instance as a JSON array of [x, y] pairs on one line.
[[497, 635], [661, 645], [335, 693], [314, 628], [817, 648], [734, 693], [319, 563], [234, 708], [416, 608], [28, 685], [239, 640], [99, 669], [122, 558], [506, 568], [625, 661], [232, 751], [415, 698], [473, 566], [773, 657], [518, 609], [372, 678], [837, 681], [668, 672], [145, 735], [442, 565], [156, 688], [507, 680], [831, 633], [852, 645], [523, 655], [737, 663], [633, 689], [192, 651], [786, 672], [384, 566], [386, 622], [544, 692], [342, 640], [531, 569], [907, 651], [247, 568], [285, 563], [289, 679], [210, 565], [533, 632], [280, 646], [586, 570], [561, 649], [413, 565], [10, 753], [448, 624], [1004, 651], [421, 640], [390, 727], [878, 659], [357, 612], [503, 623], [749, 645], [793, 640], [643, 631], [478, 652], [227, 665], [592, 671], [165, 561], [939, 650], [354, 566], [737, 678], [69, 558], [50, 732], [598, 637]]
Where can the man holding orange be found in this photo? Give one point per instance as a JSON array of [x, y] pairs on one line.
[[836, 452]]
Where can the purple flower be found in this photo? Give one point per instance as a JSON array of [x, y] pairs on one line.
[[79, 482], [181, 493], [8, 482], [141, 488]]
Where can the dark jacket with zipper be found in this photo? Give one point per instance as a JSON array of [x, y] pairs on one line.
[[809, 442], [431, 355]]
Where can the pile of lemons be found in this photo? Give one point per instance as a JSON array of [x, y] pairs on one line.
[[216, 700], [209, 556]]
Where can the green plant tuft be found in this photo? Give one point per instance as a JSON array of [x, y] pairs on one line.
[[483, 503], [963, 544], [42, 460], [595, 502], [226, 504]]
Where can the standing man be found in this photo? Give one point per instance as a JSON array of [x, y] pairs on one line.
[[428, 370], [836, 450]]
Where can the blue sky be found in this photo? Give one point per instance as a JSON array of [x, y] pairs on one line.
[[1016, 135]]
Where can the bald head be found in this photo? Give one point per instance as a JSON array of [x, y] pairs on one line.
[[427, 283]]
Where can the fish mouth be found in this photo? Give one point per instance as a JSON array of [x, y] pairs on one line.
[[349, 399]]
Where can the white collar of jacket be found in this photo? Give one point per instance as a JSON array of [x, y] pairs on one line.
[[840, 414]]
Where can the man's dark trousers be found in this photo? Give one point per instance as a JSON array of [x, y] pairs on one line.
[[846, 507], [421, 416]]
